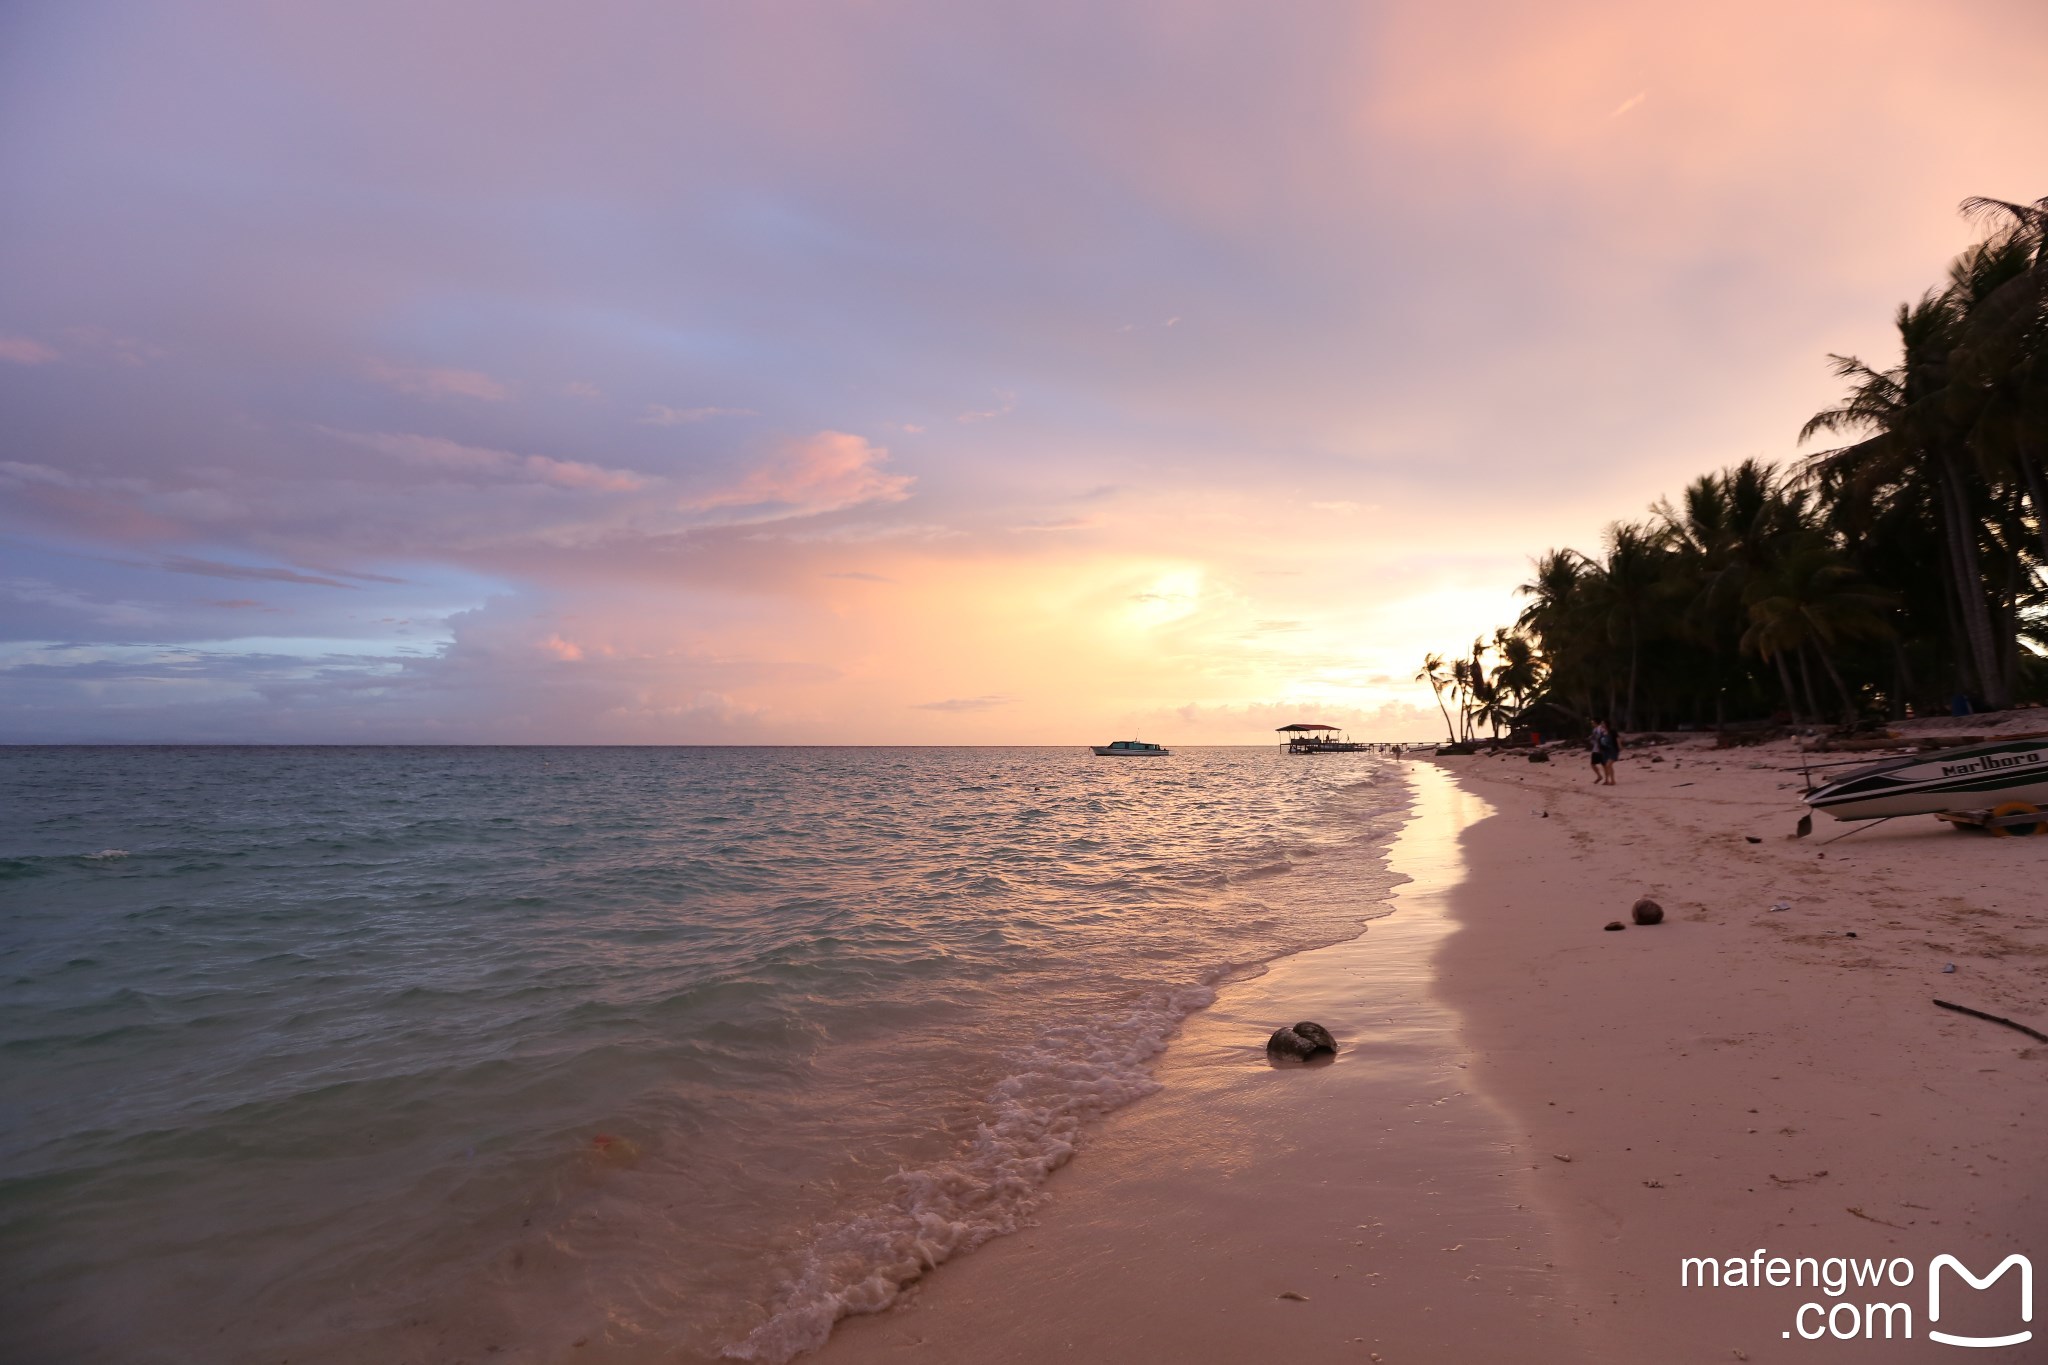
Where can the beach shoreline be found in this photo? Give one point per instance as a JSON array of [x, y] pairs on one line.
[[1605, 1104], [1376, 1208]]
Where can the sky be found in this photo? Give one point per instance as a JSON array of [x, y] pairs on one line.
[[622, 371]]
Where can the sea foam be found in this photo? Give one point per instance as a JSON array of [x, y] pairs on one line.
[[1073, 1074]]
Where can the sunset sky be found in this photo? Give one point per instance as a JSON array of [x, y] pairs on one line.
[[475, 370]]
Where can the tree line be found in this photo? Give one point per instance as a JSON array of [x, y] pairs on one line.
[[1903, 571]]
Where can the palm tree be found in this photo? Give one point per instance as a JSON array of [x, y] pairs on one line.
[[1627, 579], [1998, 385], [1518, 675], [1479, 687], [1905, 564], [1917, 445], [1811, 601], [1731, 528], [1555, 584], [1433, 674], [1461, 689], [1556, 619]]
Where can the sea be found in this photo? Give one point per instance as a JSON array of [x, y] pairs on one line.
[[329, 1054]]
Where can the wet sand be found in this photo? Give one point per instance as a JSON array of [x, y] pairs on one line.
[[1385, 1192]]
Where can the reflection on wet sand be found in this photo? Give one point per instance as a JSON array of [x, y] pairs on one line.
[[1249, 1211]]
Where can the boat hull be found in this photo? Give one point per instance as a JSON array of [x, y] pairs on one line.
[[1110, 751], [1979, 777]]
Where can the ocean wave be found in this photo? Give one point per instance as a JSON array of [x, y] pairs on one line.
[[1032, 1126], [43, 865], [781, 976]]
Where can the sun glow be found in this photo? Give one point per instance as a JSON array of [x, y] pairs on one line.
[[1172, 596]]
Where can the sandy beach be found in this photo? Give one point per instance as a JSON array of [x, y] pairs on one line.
[[1743, 1076], [1534, 1122]]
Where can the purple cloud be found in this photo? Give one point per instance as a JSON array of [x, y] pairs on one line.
[[207, 568], [437, 383]]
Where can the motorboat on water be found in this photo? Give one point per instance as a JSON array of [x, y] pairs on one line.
[[1130, 748], [1319, 739], [2006, 777]]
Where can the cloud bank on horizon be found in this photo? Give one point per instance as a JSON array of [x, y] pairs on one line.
[[907, 372]]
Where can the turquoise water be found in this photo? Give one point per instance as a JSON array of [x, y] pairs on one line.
[[595, 1054]]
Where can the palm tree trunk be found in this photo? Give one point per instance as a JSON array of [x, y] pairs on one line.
[[2037, 497], [2009, 615], [1841, 689], [1785, 681], [1958, 648], [1634, 658], [1968, 576], [1806, 679]]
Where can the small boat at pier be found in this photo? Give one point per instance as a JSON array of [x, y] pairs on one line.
[[1319, 739], [1130, 748]]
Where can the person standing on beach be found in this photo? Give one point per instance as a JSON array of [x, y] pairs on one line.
[[1605, 749]]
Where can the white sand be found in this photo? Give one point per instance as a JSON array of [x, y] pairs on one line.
[[1740, 1077]]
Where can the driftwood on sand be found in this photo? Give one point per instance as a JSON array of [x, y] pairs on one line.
[[1994, 1018]]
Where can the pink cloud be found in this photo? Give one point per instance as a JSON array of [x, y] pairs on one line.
[[1004, 409], [430, 450], [438, 383], [126, 349], [661, 415], [26, 351], [446, 454], [582, 388], [577, 474], [830, 470]]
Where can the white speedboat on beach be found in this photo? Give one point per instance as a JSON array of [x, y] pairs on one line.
[[1994, 776], [1130, 748]]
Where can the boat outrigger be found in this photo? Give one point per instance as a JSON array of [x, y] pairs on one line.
[[1319, 739], [2002, 785], [1130, 748]]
